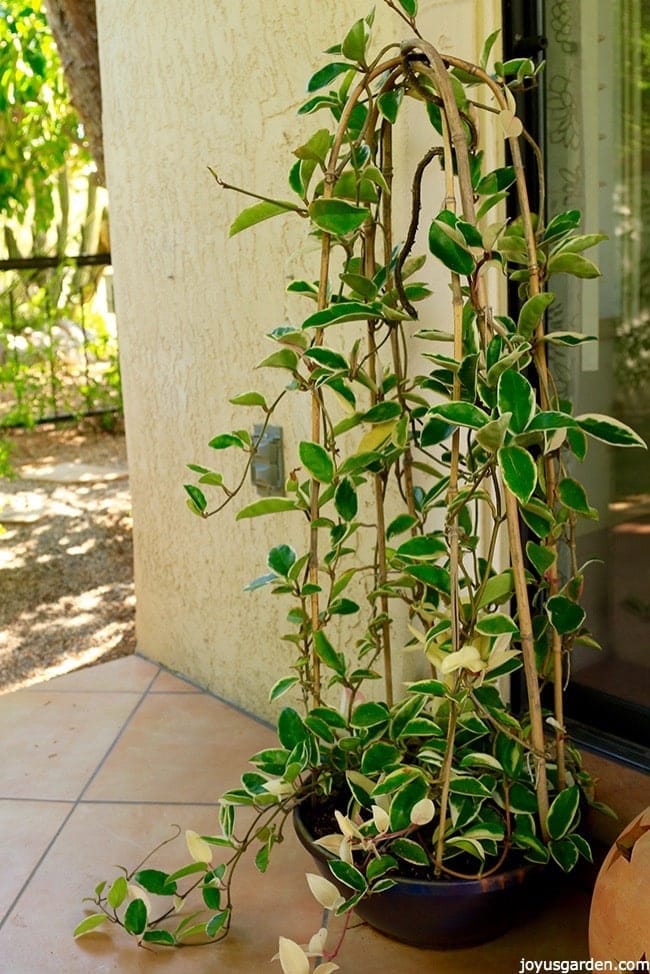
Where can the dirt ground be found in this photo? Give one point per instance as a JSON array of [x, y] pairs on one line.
[[66, 554]]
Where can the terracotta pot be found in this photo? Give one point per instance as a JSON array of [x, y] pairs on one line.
[[443, 914], [619, 922]]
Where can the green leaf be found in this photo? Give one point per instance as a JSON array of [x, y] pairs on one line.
[[197, 497], [281, 687], [505, 362], [249, 399], [562, 224], [410, 851], [260, 212], [342, 311], [499, 179], [532, 312], [516, 396], [162, 937], [379, 756], [538, 516], [327, 357], [362, 285], [435, 431], [369, 715], [564, 852], [395, 780], [345, 499], [406, 798], [382, 412], [327, 74], [291, 729], [189, 870], [572, 494], [576, 264], [551, 420], [349, 875], [562, 813], [285, 358], [135, 917], [216, 923], [267, 505], [434, 688], [498, 589], [281, 558], [566, 616], [478, 759], [400, 524], [389, 103], [409, 6], [355, 41], [609, 430], [569, 338], [443, 245], [225, 440], [155, 881], [316, 461], [337, 216], [495, 624], [89, 924], [211, 897], [379, 867], [461, 414], [422, 547], [583, 242], [432, 575], [327, 653], [470, 787], [519, 471], [541, 557], [315, 150], [117, 893]]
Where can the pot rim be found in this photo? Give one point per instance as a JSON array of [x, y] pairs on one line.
[[497, 880]]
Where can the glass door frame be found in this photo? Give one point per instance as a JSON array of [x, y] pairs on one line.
[[599, 721]]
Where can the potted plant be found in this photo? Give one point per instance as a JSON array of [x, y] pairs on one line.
[[435, 447]]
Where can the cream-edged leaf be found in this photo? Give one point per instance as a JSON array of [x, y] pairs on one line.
[[467, 658], [136, 892], [347, 826], [293, 959], [422, 812], [197, 847], [317, 942], [324, 891], [381, 818]]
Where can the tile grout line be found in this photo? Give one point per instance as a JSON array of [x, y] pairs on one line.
[[79, 799]]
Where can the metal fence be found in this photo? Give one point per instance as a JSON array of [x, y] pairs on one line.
[[58, 340]]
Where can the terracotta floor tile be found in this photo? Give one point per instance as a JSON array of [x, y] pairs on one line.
[[52, 742], [37, 936], [167, 682], [128, 674], [185, 748], [26, 829]]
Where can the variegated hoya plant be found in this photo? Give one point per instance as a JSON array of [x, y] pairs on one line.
[[434, 444]]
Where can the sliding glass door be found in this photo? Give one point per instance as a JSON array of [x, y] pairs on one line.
[[592, 114]]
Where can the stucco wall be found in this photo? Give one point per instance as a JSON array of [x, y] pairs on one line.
[[214, 82]]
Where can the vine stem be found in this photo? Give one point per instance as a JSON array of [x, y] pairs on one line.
[[443, 85]]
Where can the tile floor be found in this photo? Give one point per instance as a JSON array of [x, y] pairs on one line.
[[98, 765]]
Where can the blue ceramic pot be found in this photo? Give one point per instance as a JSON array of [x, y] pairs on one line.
[[443, 914]]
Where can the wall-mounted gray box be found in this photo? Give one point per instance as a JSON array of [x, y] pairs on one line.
[[267, 468]]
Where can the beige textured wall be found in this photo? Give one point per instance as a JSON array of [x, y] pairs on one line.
[[213, 82]]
